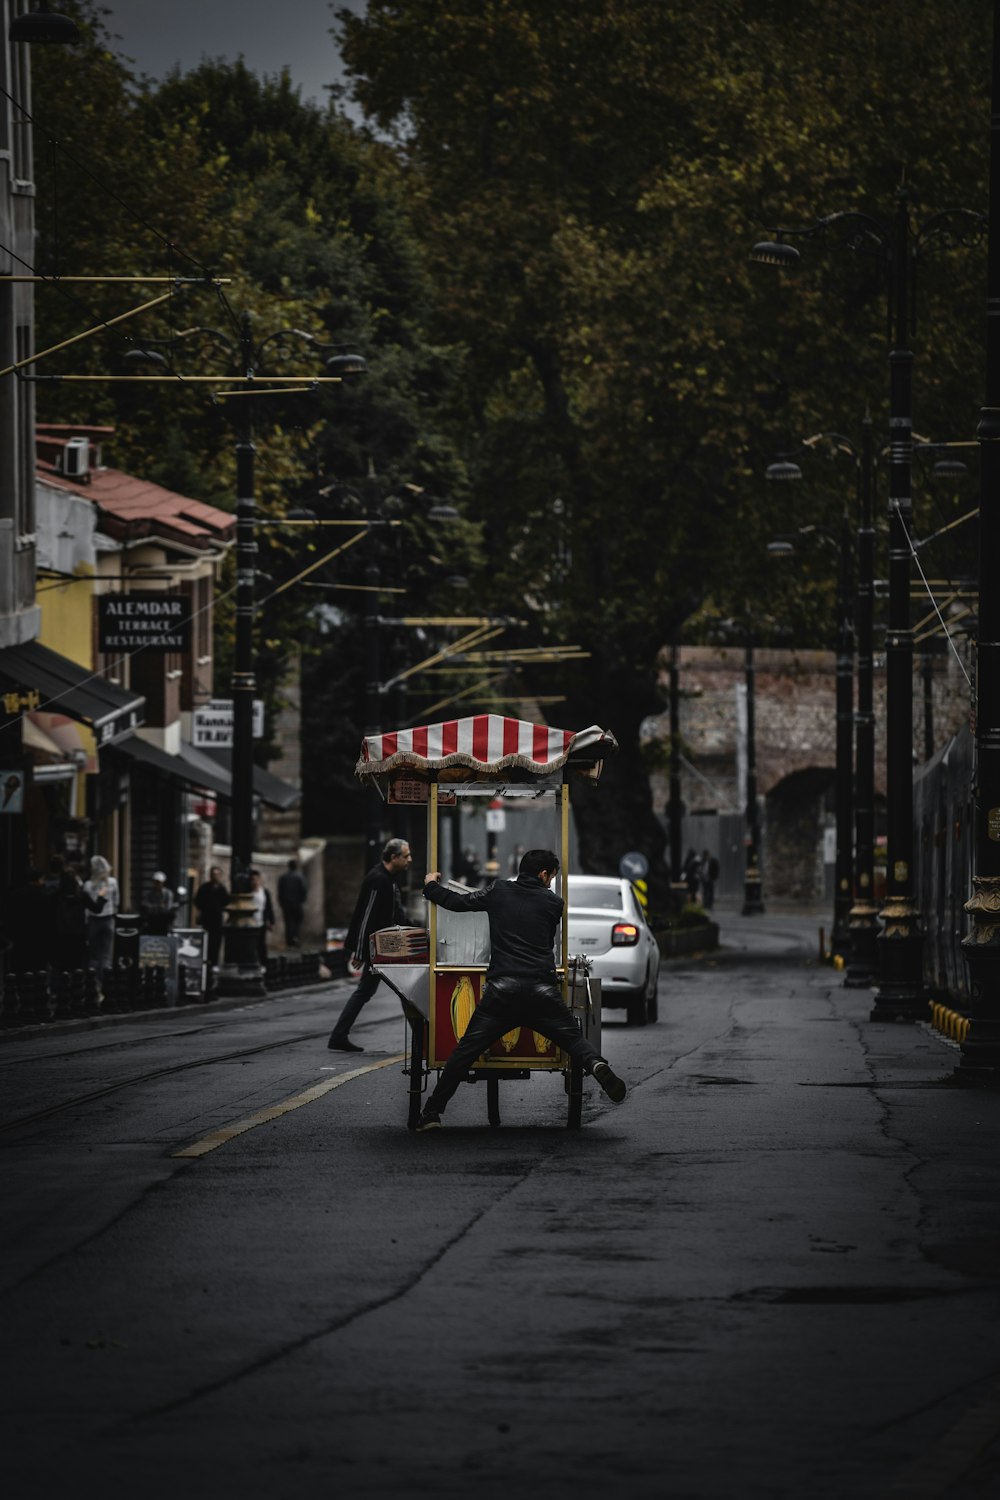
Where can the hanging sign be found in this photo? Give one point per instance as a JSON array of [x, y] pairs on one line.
[[212, 724], [12, 783], [155, 622]]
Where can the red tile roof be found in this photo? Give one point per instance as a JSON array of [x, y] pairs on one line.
[[131, 507]]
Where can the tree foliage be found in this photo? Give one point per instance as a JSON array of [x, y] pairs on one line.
[[588, 181], [219, 173], [542, 250]]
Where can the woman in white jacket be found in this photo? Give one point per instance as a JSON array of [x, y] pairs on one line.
[[101, 925]]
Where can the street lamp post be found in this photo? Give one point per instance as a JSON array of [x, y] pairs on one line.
[[841, 935], [373, 714], [674, 805], [863, 915], [241, 972], [851, 622], [753, 902], [900, 994], [981, 945]]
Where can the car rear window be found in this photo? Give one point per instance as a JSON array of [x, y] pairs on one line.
[[587, 893]]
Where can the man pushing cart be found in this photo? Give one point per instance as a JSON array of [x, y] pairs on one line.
[[522, 987], [488, 988]]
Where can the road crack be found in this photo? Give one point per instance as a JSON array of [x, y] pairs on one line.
[[334, 1325]]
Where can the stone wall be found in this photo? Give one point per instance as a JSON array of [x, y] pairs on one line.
[[795, 708]]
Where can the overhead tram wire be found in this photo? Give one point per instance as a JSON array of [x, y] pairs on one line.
[[930, 595]]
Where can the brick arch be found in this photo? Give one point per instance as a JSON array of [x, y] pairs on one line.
[[796, 810]]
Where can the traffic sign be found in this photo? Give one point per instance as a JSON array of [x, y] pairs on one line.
[[633, 866]]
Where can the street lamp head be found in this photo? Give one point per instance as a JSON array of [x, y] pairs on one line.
[[780, 549], [346, 365], [774, 253], [783, 469], [42, 25], [442, 511], [456, 581], [949, 468], [140, 356]]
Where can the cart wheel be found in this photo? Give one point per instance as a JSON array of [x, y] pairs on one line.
[[575, 1092], [417, 1032], [493, 1101]]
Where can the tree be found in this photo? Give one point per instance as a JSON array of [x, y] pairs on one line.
[[587, 181], [219, 173]]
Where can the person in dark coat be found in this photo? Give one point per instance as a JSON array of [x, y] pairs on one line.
[[70, 906], [691, 875], [292, 893], [521, 987], [210, 902], [379, 905], [159, 907], [28, 923], [709, 875]]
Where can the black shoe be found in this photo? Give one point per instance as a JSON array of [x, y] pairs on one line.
[[429, 1120], [609, 1082], [344, 1046]]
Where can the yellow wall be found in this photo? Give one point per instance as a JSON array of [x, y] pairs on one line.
[[67, 627], [67, 616]]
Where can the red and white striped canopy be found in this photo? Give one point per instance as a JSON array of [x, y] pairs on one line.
[[487, 742]]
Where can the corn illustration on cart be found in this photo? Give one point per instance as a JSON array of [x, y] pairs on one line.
[[438, 974]]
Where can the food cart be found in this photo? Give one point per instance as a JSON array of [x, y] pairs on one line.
[[438, 973]]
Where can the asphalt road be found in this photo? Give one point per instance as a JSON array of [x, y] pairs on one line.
[[772, 1271]]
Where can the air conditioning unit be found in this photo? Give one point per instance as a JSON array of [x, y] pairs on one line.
[[76, 458]]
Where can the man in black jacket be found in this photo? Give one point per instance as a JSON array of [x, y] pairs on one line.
[[210, 902], [521, 987], [292, 895], [379, 905]]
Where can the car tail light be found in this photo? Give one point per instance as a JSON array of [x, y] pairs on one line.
[[624, 935]]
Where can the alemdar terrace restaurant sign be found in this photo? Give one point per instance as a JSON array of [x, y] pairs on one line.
[[157, 622]]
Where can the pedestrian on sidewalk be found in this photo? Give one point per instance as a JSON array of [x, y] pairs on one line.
[[521, 987], [210, 902], [379, 905], [292, 893], [71, 904], [709, 875], [159, 908], [263, 914], [101, 925], [691, 875]]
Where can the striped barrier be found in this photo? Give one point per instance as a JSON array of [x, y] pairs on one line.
[[950, 1022]]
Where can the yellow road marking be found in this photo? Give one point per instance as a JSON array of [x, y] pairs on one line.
[[263, 1116]]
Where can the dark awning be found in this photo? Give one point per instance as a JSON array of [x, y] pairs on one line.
[[269, 788], [67, 688], [206, 769], [182, 768]]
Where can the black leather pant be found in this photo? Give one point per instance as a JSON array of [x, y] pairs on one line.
[[507, 1003]]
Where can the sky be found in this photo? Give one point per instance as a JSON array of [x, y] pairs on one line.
[[157, 34]]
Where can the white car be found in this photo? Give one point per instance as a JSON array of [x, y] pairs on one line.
[[608, 925]]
